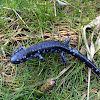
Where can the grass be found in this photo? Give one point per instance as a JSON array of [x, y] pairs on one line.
[[28, 22]]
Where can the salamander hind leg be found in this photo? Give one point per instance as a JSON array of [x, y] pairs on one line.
[[63, 58], [39, 55]]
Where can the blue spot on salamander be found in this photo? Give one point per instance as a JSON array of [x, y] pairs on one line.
[[38, 51], [52, 50], [43, 51], [74, 53], [55, 51], [47, 50]]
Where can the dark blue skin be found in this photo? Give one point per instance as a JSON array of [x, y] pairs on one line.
[[22, 54]]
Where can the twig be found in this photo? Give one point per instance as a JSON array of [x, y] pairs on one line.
[[3, 51], [20, 18], [54, 8]]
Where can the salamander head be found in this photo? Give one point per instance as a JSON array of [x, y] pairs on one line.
[[18, 58]]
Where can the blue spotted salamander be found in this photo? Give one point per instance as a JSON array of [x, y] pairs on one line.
[[22, 54]]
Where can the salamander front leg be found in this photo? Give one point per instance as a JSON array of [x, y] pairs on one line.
[[39, 55], [19, 49], [63, 58], [67, 41]]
